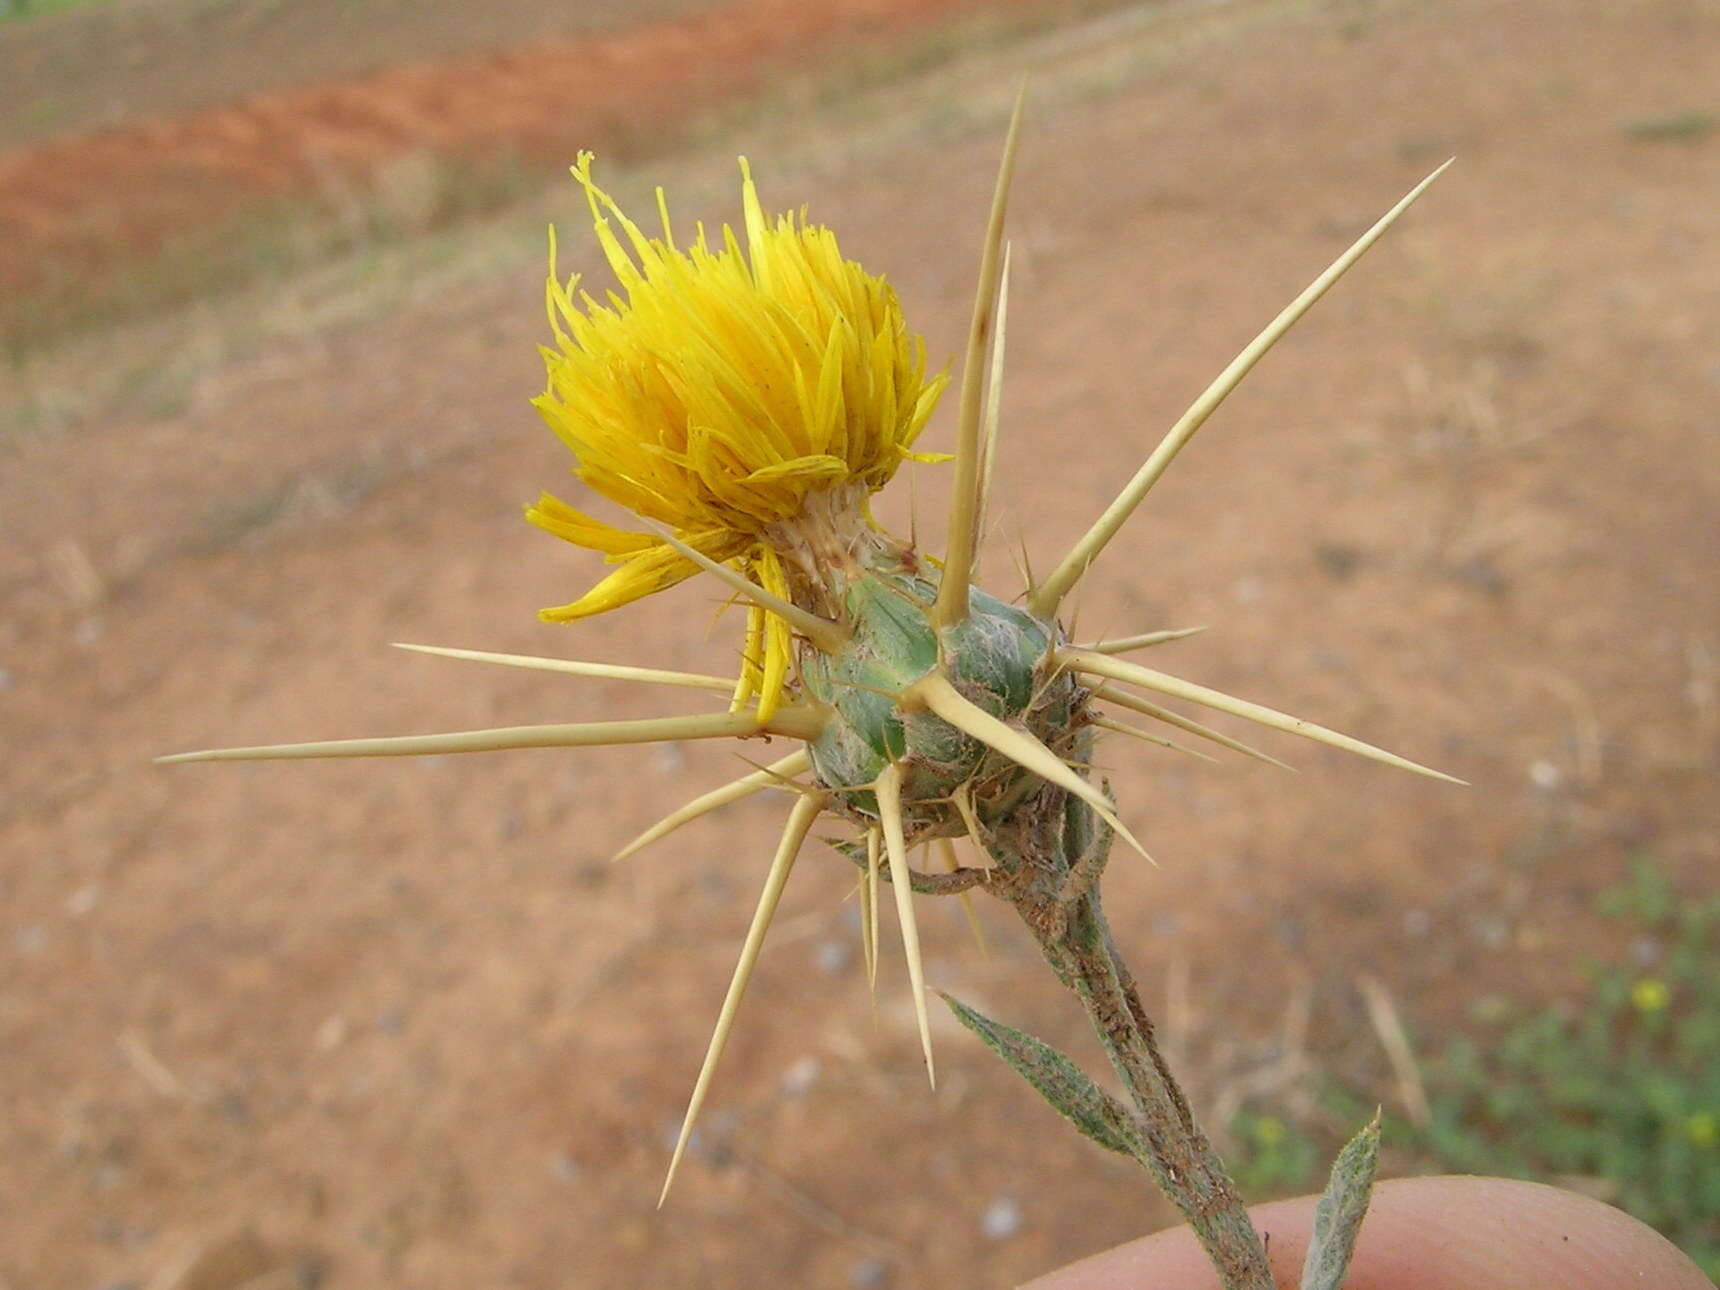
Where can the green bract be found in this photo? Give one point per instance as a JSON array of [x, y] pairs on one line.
[[998, 658]]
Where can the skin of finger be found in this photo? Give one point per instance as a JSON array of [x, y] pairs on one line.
[[1427, 1234]]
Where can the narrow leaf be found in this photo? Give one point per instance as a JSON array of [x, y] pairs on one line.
[[1093, 1112], [1338, 1216]]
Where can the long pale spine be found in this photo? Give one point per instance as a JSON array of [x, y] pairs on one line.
[[800, 821], [800, 723], [889, 791], [1044, 598], [1148, 678], [766, 777], [966, 503]]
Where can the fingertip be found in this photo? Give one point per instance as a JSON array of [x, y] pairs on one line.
[[1450, 1233]]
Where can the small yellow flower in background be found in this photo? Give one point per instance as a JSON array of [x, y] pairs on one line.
[[718, 396], [1649, 995], [1704, 1128]]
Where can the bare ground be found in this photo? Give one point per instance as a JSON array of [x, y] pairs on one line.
[[226, 152], [404, 1022]]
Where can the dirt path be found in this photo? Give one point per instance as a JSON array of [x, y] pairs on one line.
[[110, 63], [73, 208], [405, 1023]]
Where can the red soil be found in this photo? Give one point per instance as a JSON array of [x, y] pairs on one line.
[[88, 201]]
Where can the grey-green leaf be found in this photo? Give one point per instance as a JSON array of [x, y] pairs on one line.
[[1094, 1112], [1338, 1217]]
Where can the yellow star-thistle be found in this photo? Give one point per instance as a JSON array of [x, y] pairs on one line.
[[745, 404], [719, 395]]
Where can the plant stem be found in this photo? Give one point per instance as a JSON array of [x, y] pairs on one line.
[[1050, 863], [1181, 1160]]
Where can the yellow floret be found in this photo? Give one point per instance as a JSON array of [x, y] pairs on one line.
[[717, 391]]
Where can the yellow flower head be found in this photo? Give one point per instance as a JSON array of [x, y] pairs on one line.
[[717, 394], [1650, 996]]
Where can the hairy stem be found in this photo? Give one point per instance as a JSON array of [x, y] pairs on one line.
[[1181, 1160], [1051, 862]]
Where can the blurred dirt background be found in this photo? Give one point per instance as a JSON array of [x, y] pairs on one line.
[[401, 1023]]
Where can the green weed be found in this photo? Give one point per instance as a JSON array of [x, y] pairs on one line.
[[269, 240], [1680, 125], [1274, 1158], [1618, 1094], [10, 9]]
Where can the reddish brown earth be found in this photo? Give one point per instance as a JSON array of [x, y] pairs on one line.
[[111, 62], [402, 1022], [83, 203]]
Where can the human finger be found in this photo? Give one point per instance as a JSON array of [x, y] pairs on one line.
[[1452, 1233]]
